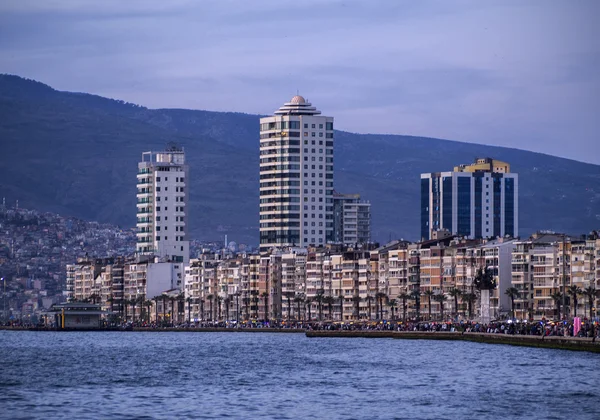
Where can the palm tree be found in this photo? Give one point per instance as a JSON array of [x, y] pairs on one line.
[[227, 303], [255, 300], [392, 304], [329, 300], [356, 299], [369, 299], [574, 291], [591, 293], [265, 296], [455, 293], [201, 309], [416, 296], [94, 297], [470, 298], [164, 298], [289, 296], [403, 297], [210, 306], [141, 302], [148, 305], [246, 302], [513, 293], [429, 294], [125, 305], [308, 302], [441, 298], [298, 299], [189, 305], [380, 296], [557, 298], [172, 312], [341, 298], [133, 303], [180, 306], [319, 298]]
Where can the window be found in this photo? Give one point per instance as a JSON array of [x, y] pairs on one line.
[[157, 179], [158, 218], [157, 228], [306, 134], [157, 189], [320, 126], [329, 126], [157, 198], [313, 134], [320, 134], [158, 238], [313, 126], [305, 125], [158, 209], [166, 179]]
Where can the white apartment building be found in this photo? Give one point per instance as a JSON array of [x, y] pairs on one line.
[[296, 176], [162, 205]]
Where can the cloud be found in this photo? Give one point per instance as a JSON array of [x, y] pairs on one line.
[[506, 73]]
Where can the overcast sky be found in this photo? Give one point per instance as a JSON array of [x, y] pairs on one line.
[[520, 73]]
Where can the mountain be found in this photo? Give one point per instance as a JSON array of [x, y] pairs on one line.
[[77, 154]]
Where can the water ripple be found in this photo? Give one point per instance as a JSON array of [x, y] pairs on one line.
[[287, 376]]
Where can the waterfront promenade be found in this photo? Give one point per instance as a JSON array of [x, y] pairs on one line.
[[552, 342]]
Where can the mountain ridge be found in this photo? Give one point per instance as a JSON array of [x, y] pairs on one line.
[[84, 149]]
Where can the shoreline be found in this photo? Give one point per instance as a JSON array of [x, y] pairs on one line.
[[551, 342]]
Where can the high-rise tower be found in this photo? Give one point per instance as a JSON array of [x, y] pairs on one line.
[[296, 176], [162, 205], [480, 200]]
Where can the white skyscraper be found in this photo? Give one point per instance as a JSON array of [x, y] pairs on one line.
[[162, 205], [296, 176]]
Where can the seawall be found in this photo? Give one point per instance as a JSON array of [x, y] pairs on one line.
[[563, 343]]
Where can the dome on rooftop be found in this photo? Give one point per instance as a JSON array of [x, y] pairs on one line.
[[298, 100]]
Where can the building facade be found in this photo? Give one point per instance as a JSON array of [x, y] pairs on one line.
[[162, 205], [351, 219], [296, 176], [480, 200]]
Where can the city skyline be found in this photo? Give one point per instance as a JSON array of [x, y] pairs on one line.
[[511, 74]]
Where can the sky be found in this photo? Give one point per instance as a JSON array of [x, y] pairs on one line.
[[522, 74]]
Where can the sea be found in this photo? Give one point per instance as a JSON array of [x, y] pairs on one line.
[[187, 375]]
